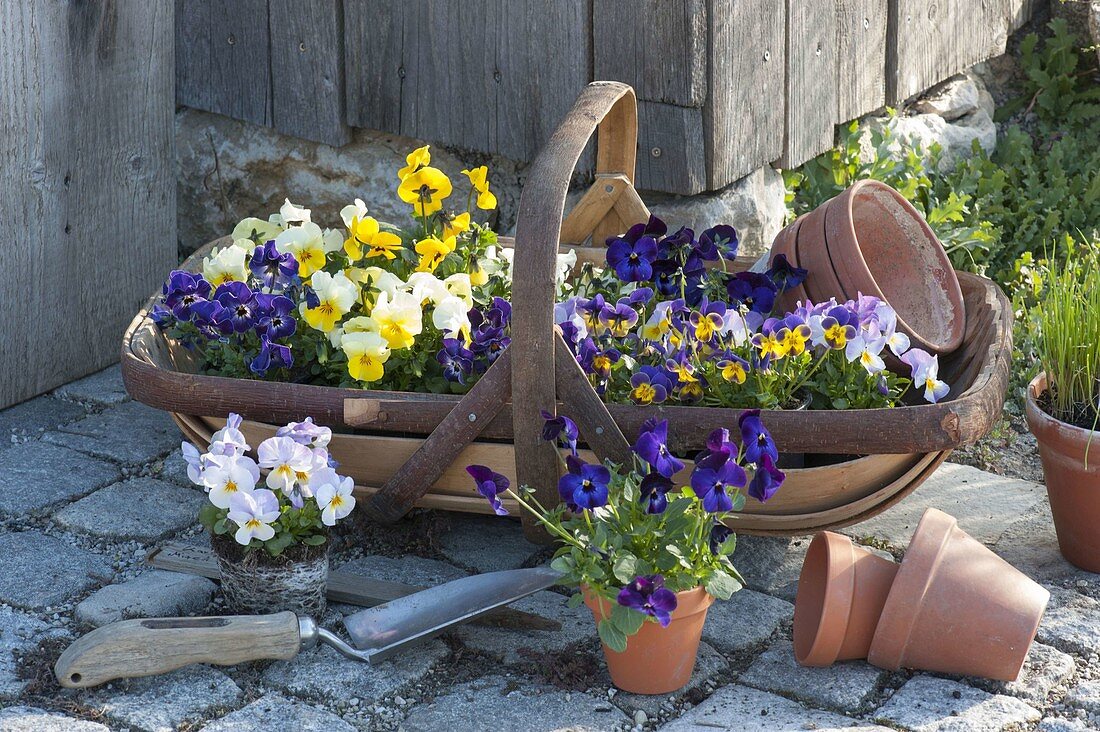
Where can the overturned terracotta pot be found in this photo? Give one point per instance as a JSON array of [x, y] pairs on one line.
[[880, 245], [784, 243], [812, 249], [657, 660], [1073, 483], [841, 592], [956, 607]]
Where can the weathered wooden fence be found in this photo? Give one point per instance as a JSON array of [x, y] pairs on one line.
[[87, 181], [725, 85]]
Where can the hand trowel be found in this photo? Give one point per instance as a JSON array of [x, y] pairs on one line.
[[158, 645]]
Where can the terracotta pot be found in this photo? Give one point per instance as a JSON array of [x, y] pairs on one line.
[[1074, 490], [822, 282], [880, 245], [841, 592], [657, 660], [784, 244], [956, 607]]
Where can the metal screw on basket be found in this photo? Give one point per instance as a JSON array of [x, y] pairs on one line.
[[656, 152]]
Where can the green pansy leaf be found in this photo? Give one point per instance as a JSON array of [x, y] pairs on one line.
[[624, 567], [721, 585], [626, 619], [612, 637]]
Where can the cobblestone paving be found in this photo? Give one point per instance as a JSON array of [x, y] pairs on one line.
[[92, 485]]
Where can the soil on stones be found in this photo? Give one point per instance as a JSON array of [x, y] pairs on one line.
[[1009, 450]]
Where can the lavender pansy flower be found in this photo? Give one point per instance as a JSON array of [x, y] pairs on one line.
[[306, 433], [926, 368], [650, 596]]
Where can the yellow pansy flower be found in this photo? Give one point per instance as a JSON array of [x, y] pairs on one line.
[[432, 252], [794, 339], [365, 234], [770, 345], [478, 275], [414, 161], [479, 179], [399, 318], [455, 225], [425, 190], [366, 352], [336, 295]]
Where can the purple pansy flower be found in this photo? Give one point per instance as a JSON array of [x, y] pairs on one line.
[[652, 446], [718, 535], [274, 318], [718, 241], [490, 485], [560, 427], [211, 318], [585, 485], [274, 268], [239, 303], [650, 596], [754, 290], [619, 318], [456, 360], [654, 489], [182, 290], [271, 355], [756, 438], [632, 260], [712, 476], [784, 274], [766, 480]]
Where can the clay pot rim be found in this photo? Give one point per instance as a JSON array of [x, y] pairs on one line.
[[952, 290], [838, 595], [1073, 440]]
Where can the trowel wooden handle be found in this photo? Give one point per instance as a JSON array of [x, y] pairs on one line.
[[156, 646]]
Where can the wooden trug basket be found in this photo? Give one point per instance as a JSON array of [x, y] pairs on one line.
[[410, 449]]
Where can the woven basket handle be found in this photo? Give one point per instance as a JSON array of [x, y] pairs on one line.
[[606, 209]]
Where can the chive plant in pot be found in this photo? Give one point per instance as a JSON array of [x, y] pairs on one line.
[[1063, 402], [271, 540], [648, 553]]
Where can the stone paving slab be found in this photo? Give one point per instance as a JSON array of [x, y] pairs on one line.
[[130, 433], [32, 719], [846, 687], [928, 703], [985, 505], [1044, 669], [486, 544], [1031, 545], [1070, 623], [34, 416], [39, 475], [771, 564], [745, 621], [38, 571], [516, 645], [410, 570], [740, 708], [323, 674], [1085, 695], [1061, 724], [709, 665], [140, 508], [163, 703], [513, 705], [275, 713], [152, 594], [104, 388], [18, 632]]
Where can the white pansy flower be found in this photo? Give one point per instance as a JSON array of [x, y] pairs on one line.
[[225, 265], [452, 317], [288, 462], [353, 211], [226, 475], [493, 263], [335, 499], [459, 285], [254, 230], [229, 440], [426, 286], [254, 513], [384, 281], [565, 264], [293, 214]]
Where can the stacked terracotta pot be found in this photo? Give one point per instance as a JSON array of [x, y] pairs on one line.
[[951, 606], [870, 241]]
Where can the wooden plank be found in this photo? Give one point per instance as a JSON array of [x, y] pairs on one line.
[[87, 181], [307, 69], [354, 589], [222, 58], [743, 116], [672, 154], [656, 46], [861, 57], [928, 42], [811, 91], [494, 76]]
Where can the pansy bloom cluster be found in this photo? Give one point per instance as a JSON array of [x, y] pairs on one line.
[[683, 332], [640, 532], [302, 493], [364, 304]]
